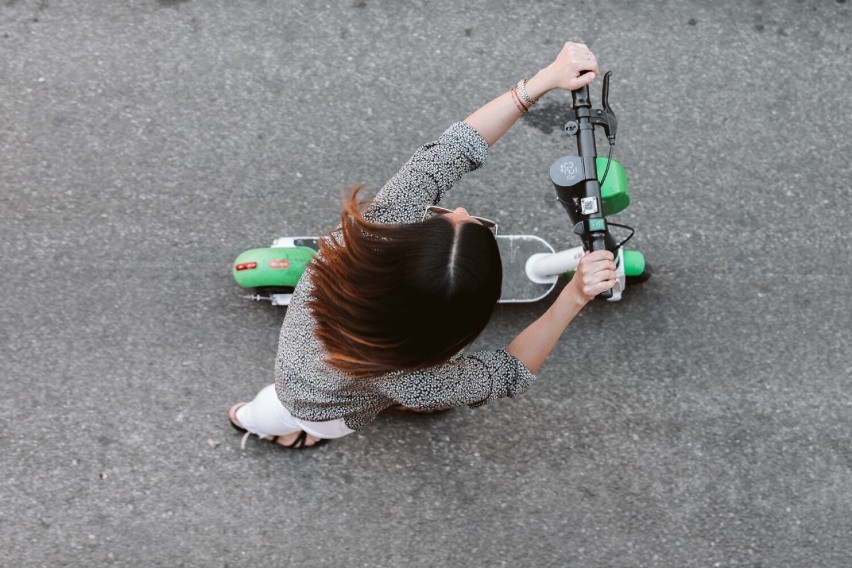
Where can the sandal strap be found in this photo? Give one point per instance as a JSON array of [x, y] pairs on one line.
[[299, 442], [273, 439], [237, 427]]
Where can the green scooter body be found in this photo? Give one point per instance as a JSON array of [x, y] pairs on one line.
[[615, 194], [271, 267]]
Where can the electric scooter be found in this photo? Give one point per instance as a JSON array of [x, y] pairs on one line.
[[590, 188]]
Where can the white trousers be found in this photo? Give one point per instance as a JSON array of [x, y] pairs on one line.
[[266, 416]]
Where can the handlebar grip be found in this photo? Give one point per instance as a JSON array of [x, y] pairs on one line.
[[580, 97], [598, 242]]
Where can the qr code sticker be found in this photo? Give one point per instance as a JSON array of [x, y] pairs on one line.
[[589, 205]]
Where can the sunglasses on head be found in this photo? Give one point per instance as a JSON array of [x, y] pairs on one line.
[[435, 211]]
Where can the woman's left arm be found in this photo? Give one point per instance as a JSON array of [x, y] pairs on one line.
[[595, 274], [566, 72]]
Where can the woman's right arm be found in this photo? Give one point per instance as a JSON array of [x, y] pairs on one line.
[[435, 167], [595, 274]]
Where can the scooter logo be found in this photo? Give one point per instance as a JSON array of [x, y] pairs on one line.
[[279, 264]]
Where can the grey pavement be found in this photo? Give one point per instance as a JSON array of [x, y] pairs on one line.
[[703, 421]]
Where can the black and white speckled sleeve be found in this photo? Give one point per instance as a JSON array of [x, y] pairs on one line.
[[431, 171], [473, 379]]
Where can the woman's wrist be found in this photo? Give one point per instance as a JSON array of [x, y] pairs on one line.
[[575, 294], [527, 92], [540, 84]]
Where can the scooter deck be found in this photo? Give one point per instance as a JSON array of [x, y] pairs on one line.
[[515, 250]]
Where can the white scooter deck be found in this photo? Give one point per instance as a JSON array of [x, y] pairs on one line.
[[515, 252]]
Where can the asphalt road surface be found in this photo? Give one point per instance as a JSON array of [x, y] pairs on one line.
[[703, 421]]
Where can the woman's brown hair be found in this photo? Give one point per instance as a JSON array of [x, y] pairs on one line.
[[402, 296]]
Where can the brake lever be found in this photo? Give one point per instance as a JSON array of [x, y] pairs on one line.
[[605, 92], [610, 124]]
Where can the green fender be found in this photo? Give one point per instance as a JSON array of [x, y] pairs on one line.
[[615, 194], [271, 267], [634, 263]]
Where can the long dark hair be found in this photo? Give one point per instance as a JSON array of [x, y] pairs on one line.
[[402, 296]]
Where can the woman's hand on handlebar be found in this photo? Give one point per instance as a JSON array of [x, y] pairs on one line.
[[575, 67], [595, 274], [493, 119]]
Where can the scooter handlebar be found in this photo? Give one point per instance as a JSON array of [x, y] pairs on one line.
[[597, 241]]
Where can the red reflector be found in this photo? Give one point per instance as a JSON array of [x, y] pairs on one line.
[[246, 266]]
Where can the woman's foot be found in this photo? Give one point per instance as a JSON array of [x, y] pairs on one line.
[[296, 440]]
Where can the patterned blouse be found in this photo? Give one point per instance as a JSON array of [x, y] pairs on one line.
[[312, 391]]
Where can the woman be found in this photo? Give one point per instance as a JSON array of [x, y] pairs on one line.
[[382, 314]]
